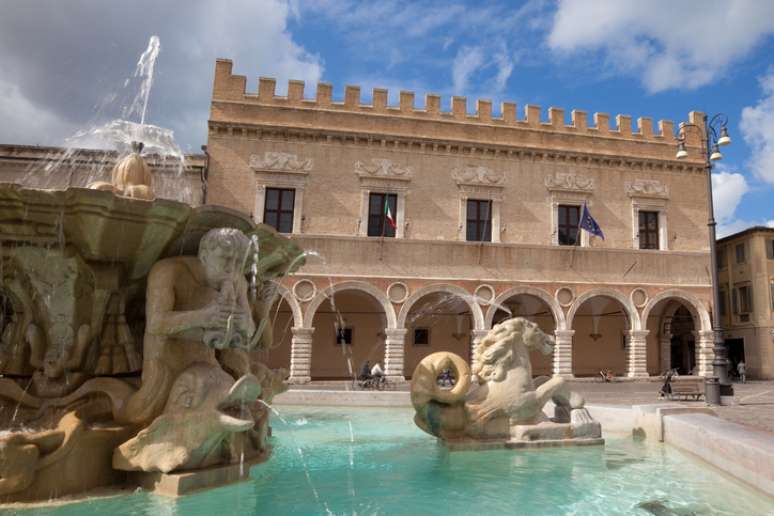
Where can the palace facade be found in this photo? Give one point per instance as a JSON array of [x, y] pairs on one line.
[[425, 227]]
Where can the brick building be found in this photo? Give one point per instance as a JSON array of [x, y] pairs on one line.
[[746, 282], [485, 210]]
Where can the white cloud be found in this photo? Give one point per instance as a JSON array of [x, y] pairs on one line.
[[770, 223], [671, 44], [466, 63], [757, 127], [727, 190]]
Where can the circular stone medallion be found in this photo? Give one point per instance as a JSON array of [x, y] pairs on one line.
[[565, 296], [639, 297], [484, 294], [397, 292], [304, 290]]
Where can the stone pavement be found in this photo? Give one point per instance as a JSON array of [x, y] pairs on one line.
[[754, 400]]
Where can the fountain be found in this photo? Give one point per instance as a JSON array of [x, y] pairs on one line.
[[128, 328], [497, 403]]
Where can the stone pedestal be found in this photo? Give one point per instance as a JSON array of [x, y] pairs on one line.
[[477, 336], [705, 342], [394, 346], [563, 353], [637, 354], [301, 355]]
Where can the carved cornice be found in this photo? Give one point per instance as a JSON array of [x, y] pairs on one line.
[[220, 130], [646, 188], [380, 168], [477, 175], [569, 182], [280, 162]]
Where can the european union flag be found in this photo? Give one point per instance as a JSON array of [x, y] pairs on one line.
[[588, 223]]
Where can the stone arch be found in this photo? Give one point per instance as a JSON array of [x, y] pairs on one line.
[[475, 309], [361, 286], [290, 299], [547, 298], [632, 315], [700, 314]]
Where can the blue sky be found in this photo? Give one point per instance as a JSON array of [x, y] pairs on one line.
[[658, 59]]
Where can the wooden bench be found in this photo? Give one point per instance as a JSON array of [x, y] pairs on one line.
[[685, 387]]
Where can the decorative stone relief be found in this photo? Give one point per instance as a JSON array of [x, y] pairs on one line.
[[477, 175], [281, 162], [304, 290], [571, 182], [639, 297], [565, 296], [646, 188], [397, 292], [484, 294], [383, 168]]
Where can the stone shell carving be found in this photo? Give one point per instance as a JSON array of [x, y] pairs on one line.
[[281, 162], [646, 188], [383, 168], [569, 182], [397, 292], [478, 175]]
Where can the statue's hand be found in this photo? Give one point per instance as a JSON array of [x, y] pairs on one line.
[[214, 316]]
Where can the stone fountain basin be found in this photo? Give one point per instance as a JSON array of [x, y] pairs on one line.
[[104, 227]]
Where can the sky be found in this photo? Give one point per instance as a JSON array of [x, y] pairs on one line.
[[64, 64]]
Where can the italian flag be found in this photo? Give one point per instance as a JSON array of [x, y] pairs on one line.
[[388, 214]]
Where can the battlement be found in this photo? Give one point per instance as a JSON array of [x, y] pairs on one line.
[[229, 87]]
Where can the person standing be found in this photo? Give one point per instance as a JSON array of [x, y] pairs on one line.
[[741, 368]]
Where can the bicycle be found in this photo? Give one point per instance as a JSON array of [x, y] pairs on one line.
[[378, 383]]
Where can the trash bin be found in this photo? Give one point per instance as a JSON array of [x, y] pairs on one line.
[[712, 390]]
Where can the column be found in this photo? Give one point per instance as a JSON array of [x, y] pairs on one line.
[[477, 335], [563, 353], [301, 355], [705, 354], [637, 353], [394, 350], [665, 349]]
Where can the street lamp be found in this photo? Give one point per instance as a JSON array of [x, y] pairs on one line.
[[715, 135]]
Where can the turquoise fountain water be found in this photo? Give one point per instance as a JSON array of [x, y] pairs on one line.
[[375, 461]]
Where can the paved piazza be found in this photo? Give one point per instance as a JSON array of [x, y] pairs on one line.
[[754, 408]]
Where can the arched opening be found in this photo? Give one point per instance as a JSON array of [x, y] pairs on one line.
[[536, 310], [672, 337], [281, 321], [438, 321], [347, 332], [600, 339]]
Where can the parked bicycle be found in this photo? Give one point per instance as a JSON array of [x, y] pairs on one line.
[[370, 382]]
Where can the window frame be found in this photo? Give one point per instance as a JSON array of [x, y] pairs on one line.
[[559, 224], [478, 221], [653, 237], [348, 333], [427, 331], [743, 247], [380, 215], [279, 211]]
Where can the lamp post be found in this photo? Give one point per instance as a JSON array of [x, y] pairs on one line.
[[715, 134]]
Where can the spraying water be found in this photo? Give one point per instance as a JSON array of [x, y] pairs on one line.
[[144, 71]]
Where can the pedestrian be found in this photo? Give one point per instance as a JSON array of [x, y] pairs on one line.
[[742, 370]]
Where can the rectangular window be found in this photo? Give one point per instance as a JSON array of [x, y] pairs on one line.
[[740, 253], [344, 336], [569, 217], [479, 220], [770, 249], [722, 302], [378, 222], [649, 230], [278, 210], [734, 301], [745, 299], [421, 336], [771, 293], [722, 263]]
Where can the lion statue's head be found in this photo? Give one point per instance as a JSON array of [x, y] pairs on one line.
[[495, 353]]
